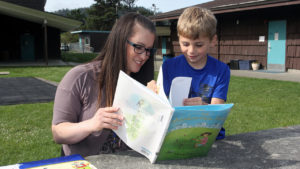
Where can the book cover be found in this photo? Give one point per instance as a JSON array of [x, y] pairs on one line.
[[68, 162], [157, 129], [193, 130]]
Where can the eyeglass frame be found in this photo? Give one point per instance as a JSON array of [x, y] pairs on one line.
[[151, 51]]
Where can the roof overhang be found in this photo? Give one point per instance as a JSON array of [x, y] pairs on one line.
[[88, 31], [252, 5], [40, 17], [236, 7]]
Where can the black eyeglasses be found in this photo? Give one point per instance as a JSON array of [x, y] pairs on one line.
[[139, 49]]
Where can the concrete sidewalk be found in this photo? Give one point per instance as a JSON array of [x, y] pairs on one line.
[[293, 76]]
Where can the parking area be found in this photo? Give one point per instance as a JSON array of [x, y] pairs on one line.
[[20, 90]]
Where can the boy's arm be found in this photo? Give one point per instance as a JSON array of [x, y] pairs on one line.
[[198, 101], [217, 101], [194, 101]]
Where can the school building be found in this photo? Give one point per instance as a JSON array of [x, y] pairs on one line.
[[28, 33], [267, 31]]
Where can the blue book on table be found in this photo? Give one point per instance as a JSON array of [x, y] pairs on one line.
[[72, 161]]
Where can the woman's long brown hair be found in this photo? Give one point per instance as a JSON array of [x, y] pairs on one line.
[[113, 56]]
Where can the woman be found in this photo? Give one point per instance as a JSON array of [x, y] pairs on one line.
[[83, 116]]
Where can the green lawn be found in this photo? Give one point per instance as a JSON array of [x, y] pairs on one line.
[[262, 104], [49, 73], [259, 104]]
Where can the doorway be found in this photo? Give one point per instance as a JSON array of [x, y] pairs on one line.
[[276, 46], [27, 47]]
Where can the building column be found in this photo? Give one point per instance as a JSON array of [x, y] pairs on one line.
[[45, 42]]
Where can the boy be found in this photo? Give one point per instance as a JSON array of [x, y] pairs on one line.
[[210, 78]]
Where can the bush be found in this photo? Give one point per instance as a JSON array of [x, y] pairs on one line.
[[78, 57]]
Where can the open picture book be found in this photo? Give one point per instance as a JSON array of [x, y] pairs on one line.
[[161, 128], [75, 161]]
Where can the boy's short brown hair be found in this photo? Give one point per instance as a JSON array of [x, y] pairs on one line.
[[195, 22]]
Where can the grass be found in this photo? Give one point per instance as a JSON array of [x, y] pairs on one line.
[[262, 104], [26, 134], [259, 104], [77, 57], [49, 73]]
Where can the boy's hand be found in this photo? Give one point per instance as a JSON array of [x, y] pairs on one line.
[[152, 85], [194, 101]]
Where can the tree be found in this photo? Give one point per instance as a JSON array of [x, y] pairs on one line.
[[77, 14], [128, 3], [144, 11], [67, 37], [102, 15]]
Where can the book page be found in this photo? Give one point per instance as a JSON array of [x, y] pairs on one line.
[[147, 116], [160, 86], [180, 88]]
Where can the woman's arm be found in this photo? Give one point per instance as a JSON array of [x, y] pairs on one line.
[[71, 133]]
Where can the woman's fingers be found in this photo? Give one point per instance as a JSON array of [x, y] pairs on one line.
[[110, 112], [152, 85], [109, 126], [107, 118], [113, 121]]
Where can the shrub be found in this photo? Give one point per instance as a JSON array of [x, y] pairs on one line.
[[78, 57]]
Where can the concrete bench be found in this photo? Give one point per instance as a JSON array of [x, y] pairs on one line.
[[274, 148]]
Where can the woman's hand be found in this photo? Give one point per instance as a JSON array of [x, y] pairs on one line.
[[194, 101], [106, 118], [152, 85], [71, 133]]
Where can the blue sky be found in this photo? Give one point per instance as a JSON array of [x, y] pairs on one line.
[[162, 5]]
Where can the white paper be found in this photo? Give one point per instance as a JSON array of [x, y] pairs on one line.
[[160, 85], [16, 166], [276, 36], [180, 88], [147, 116], [261, 38]]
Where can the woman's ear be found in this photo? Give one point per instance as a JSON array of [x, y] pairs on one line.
[[214, 41]]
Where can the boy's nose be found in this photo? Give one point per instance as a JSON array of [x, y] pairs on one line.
[[191, 49]]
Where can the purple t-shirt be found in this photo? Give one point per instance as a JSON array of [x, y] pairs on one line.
[[76, 100]]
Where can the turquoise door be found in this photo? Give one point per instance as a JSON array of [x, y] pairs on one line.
[[27, 47], [276, 46], [164, 45]]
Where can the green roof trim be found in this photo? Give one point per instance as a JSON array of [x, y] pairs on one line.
[[36, 16], [89, 31]]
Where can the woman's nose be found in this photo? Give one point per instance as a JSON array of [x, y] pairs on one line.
[[144, 55]]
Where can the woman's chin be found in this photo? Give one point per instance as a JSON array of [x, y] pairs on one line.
[[133, 71]]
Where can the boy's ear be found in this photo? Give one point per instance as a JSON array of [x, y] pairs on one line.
[[214, 41]]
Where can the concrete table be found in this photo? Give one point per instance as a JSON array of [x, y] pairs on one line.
[[276, 148]]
